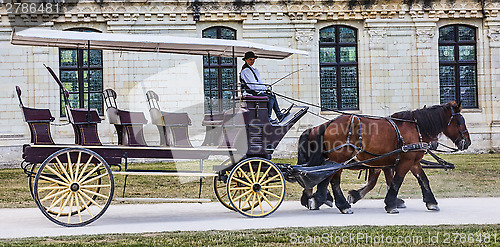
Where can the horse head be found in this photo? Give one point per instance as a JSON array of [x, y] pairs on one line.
[[456, 129]]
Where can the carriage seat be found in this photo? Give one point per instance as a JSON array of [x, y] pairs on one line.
[[38, 121], [172, 126], [128, 124]]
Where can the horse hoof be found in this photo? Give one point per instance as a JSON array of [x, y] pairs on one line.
[[346, 211], [329, 203], [392, 211], [353, 197], [400, 203], [311, 204], [432, 207]]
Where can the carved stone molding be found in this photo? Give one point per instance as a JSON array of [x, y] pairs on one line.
[[376, 36], [424, 35], [494, 34], [304, 37]]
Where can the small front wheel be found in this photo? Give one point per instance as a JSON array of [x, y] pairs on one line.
[[255, 187], [73, 187]]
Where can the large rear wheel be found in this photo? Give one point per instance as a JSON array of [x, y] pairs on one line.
[[73, 187], [255, 187]]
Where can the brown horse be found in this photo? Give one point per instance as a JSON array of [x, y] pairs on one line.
[[397, 143]]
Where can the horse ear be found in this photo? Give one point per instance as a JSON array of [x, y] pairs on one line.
[[425, 106], [459, 104]]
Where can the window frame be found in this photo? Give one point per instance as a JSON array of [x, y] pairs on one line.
[[457, 63], [219, 66], [338, 64], [81, 69]]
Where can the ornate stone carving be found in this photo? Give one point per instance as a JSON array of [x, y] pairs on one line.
[[494, 34], [304, 37], [424, 35], [376, 36]]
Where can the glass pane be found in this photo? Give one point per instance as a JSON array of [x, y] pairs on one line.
[[468, 75], [446, 76], [95, 102], [95, 80], [210, 83], [210, 33], [446, 53], [347, 54], [227, 79], [468, 96], [327, 34], [328, 98], [69, 80], [327, 55], [95, 58], [213, 61], [466, 52], [447, 94], [68, 58], [347, 35], [74, 102], [328, 77], [227, 61], [227, 103], [348, 76], [466, 33], [447, 33], [227, 33], [349, 98]]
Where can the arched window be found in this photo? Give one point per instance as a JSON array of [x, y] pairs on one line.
[[458, 65], [338, 60], [73, 71], [218, 84]]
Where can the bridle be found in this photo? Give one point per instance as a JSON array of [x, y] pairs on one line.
[[460, 121]]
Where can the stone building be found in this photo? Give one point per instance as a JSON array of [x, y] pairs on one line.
[[369, 57]]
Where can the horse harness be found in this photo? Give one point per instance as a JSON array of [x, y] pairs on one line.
[[401, 146]]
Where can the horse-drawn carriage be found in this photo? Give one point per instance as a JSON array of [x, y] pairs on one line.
[[73, 184]]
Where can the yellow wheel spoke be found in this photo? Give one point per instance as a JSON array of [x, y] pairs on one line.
[[70, 207], [265, 199], [96, 178], [63, 168], [84, 168], [70, 165], [271, 179], [90, 199], [242, 195], [96, 186], [77, 170], [271, 194], [272, 187], [78, 205], [251, 172], [89, 173], [84, 204], [265, 174], [245, 175], [240, 188], [51, 188], [247, 201], [223, 195], [57, 174], [241, 181], [253, 203], [95, 193], [53, 195], [258, 171], [259, 201], [53, 180], [63, 205]]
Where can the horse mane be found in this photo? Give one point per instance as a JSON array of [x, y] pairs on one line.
[[431, 120]]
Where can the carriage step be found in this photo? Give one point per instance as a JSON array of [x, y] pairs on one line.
[[134, 199], [178, 174]]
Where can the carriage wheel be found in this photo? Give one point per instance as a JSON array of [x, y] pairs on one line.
[[73, 187], [220, 189], [258, 184]]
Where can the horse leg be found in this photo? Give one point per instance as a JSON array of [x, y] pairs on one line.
[[392, 193], [306, 195], [321, 196], [356, 195], [389, 174], [340, 200], [423, 181]]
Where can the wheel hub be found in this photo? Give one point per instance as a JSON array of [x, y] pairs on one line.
[[74, 187], [256, 187]]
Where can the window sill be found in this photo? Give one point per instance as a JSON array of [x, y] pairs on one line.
[[472, 110], [336, 113]]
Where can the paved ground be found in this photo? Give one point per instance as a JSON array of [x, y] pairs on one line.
[[16, 223]]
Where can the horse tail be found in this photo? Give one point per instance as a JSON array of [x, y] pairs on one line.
[[311, 146], [303, 152]]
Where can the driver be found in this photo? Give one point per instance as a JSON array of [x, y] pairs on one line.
[[252, 84]]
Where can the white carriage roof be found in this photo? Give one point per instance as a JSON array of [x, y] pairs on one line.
[[147, 43]]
